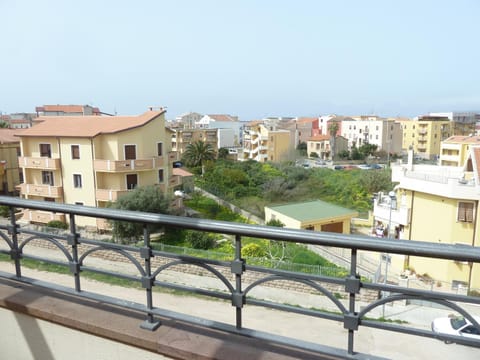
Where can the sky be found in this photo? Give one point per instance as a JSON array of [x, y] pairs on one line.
[[249, 58]]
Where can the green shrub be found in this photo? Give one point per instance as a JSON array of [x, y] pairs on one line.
[[253, 250], [4, 211], [57, 224], [199, 240]]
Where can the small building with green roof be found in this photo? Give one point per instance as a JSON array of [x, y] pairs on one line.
[[312, 215]]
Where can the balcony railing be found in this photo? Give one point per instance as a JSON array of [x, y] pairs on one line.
[[43, 217], [128, 165], [39, 163], [41, 190], [108, 194], [236, 274]]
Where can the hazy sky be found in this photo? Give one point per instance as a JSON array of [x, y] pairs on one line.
[[251, 58]]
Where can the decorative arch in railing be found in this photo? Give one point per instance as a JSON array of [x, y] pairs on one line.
[[118, 251], [209, 268], [307, 282], [52, 240]]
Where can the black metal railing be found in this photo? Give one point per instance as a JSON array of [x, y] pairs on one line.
[[18, 237]]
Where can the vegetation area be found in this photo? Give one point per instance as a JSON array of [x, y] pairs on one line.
[[251, 185]]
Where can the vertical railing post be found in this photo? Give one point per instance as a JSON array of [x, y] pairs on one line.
[[15, 253], [238, 268], [352, 286], [72, 240], [147, 281]]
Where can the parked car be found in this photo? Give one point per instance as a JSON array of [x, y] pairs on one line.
[[456, 325]]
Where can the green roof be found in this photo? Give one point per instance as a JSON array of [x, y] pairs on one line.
[[313, 210]]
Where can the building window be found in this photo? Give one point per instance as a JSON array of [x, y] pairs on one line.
[[130, 152], [79, 203], [75, 152], [160, 149], [160, 176], [49, 199], [77, 181], [47, 178], [45, 150], [465, 212], [132, 181]]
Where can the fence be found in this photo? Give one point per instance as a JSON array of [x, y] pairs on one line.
[[238, 287]]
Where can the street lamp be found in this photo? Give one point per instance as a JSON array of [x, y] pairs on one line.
[[393, 205]]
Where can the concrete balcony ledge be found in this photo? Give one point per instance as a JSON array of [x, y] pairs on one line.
[[173, 339]]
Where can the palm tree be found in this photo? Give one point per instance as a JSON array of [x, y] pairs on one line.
[[197, 153]]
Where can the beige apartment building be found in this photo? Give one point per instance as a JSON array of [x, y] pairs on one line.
[[425, 134], [320, 144], [261, 144], [93, 160], [181, 138]]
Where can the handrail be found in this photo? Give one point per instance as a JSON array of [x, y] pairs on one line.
[[18, 237]]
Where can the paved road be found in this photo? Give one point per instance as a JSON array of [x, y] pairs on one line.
[[370, 341]]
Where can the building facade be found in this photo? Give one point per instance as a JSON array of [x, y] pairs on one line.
[[10, 175], [181, 138], [437, 204], [261, 144], [385, 133], [87, 160], [425, 134], [320, 145], [455, 150]]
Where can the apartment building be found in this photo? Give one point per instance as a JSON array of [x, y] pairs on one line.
[[301, 129], [437, 204], [463, 123], [263, 144], [455, 150], [424, 135], [225, 122], [10, 175], [188, 120], [92, 160], [361, 130], [181, 138]]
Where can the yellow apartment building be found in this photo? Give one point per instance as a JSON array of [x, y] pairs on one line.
[[437, 204], [9, 152], [455, 150], [261, 144], [93, 160], [425, 134]]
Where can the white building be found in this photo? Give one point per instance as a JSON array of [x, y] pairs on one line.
[[188, 120]]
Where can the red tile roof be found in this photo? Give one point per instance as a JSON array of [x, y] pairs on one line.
[[87, 126], [463, 139], [181, 172], [9, 135], [221, 117], [319, 138]]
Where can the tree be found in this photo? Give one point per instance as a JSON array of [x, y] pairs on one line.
[[222, 153], [4, 125], [197, 153], [332, 130], [302, 148], [146, 198]]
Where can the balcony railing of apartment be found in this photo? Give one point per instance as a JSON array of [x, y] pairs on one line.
[[172, 156], [233, 273], [109, 194], [128, 165], [41, 190], [39, 163]]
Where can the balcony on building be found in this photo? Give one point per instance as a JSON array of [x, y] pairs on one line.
[[382, 211], [42, 217], [39, 163], [41, 190], [113, 166], [449, 181], [109, 194]]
